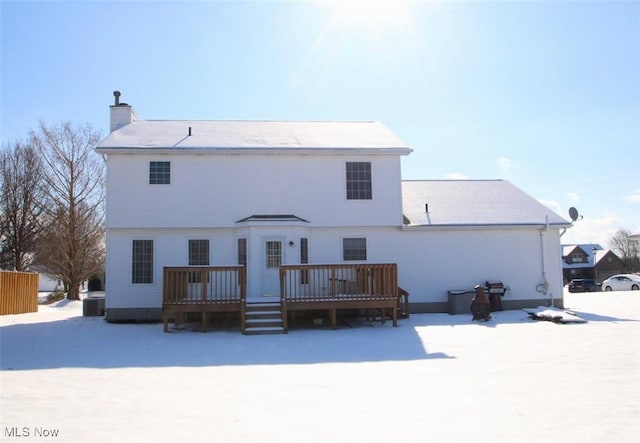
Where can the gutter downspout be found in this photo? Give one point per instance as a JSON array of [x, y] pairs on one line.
[[543, 288]]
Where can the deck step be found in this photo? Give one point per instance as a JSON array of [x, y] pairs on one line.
[[253, 322], [263, 318], [264, 313], [258, 306], [264, 330]]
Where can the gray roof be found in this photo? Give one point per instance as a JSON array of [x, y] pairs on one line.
[[473, 203], [252, 135], [273, 217]]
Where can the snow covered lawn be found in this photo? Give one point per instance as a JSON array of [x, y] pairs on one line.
[[434, 378]]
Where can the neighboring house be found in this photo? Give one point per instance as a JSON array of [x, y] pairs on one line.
[[589, 261], [265, 193], [48, 284]]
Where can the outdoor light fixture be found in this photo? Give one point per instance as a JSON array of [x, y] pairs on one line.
[[291, 243]]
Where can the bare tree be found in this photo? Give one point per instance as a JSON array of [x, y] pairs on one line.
[[628, 250], [73, 247], [21, 200]]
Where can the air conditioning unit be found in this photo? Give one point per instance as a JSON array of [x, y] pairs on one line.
[[93, 307]]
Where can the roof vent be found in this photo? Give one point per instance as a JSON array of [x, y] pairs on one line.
[[117, 94], [426, 207], [189, 131]]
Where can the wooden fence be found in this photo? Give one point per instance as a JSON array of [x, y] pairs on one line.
[[18, 292]]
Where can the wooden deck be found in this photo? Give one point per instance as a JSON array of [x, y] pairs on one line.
[[203, 289], [341, 286], [332, 287]]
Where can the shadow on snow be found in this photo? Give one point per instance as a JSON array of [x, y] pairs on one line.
[[90, 342]]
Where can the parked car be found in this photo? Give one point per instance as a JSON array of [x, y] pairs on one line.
[[622, 282], [584, 285]]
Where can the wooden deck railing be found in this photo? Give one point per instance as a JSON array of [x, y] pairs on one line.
[[340, 286], [203, 289], [336, 281], [18, 292]]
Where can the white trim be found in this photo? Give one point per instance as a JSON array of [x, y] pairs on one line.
[[472, 227], [141, 150]]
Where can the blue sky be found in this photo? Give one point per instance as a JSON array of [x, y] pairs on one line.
[[543, 94]]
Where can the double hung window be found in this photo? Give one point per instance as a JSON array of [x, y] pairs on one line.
[[354, 249], [142, 262], [359, 181]]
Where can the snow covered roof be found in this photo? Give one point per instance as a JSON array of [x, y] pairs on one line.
[[222, 135], [472, 203]]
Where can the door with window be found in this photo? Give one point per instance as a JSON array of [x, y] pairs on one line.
[[272, 258]]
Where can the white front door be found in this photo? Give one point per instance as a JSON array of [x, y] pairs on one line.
[[272, 257]]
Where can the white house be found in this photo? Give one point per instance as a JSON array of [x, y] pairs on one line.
[[214, 193]]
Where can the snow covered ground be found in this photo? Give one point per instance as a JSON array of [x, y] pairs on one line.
[[434, 378]]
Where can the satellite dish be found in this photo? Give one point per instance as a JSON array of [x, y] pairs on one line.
[[573, 213]]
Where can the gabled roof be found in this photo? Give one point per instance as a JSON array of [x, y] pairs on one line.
[[218, 135], [587, 248], [473, 203]]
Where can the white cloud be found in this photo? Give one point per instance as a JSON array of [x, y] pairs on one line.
[[456, 176], [593, 230], [633, 197], [573, 197], [505, 164]]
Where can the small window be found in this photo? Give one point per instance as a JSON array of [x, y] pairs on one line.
[[304, 251], [359, 181], [354, 249], [304, 259], [159, 173], [198, 252], [273, 254], [142, 262], [242, 251]]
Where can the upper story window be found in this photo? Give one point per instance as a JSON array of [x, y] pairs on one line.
[[159, 173], [576, 257], [359, 181]]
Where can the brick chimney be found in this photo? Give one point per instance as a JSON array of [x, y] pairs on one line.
[[121, 113]]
